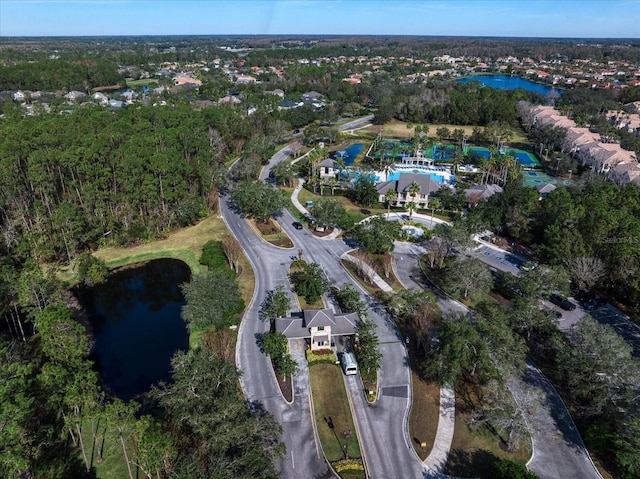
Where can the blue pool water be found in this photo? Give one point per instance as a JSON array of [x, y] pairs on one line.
[[349, 154], [396, 175], [504, 82]]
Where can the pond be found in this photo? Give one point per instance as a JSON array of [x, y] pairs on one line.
[[349, 154], [137, 325], [504, 82]]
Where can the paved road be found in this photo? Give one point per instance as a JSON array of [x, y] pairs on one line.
[[559, 452], [355, 123], [303, 458], [383, 425]]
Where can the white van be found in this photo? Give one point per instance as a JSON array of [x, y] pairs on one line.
[[349, 364]]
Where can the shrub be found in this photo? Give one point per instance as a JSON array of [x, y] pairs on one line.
[[346, 465], [213, 255], [320, 357]]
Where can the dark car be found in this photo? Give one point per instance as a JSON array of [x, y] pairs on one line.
[[297, 225], [563, 303]]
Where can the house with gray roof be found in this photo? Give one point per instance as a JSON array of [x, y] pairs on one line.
[[318, 326], [545, 188], [481, 193], [327, 169], [402, 185], [311, 97]]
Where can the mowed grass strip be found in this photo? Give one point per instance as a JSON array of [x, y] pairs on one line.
[[331, 408], [424, 416], [184, 244]]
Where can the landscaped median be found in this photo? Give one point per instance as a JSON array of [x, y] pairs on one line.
[[333, 416]]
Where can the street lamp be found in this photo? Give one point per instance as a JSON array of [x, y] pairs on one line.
[[347, 435]]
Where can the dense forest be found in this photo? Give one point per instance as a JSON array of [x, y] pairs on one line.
[[82, 177]]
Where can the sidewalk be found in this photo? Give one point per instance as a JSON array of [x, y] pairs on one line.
[[296, 202], [379, 282]]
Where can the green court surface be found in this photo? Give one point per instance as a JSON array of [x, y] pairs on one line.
[[524, 158]]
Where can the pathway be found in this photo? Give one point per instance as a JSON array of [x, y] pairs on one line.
[[558, 450]]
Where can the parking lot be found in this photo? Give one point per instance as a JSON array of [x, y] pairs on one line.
[[607, 314], [499, 259], [624, 327]]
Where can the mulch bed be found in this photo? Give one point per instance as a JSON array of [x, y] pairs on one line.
[[285, 386], [322, 234], [282, 243]]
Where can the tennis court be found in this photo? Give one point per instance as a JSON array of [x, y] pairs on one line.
[[524, 158]]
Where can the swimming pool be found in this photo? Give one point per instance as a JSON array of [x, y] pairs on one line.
[[435, 177]]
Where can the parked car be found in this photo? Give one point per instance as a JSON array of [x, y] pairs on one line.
[[297, 225], [562, 302]]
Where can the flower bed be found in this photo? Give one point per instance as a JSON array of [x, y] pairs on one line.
[[322, 356]]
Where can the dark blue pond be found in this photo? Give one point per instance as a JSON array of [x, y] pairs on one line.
[[504, 82], [349, 155], [137, 325]]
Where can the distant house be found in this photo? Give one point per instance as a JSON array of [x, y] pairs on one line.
[[318, 326], [481, 193], [229, 100], [545, 188], [75, 95], [185, 80], [288, 105], [327, 169], [244, 79], [312, 97], [100, 98], [402, 187], [277, 92], [115, 103]]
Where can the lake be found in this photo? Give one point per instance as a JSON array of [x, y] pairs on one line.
[[504, 82], [136, 324]]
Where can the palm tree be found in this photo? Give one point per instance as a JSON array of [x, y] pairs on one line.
[[458, 158], [390, 196], [414, 189], [435, 205], [332, 183], [412, 207]]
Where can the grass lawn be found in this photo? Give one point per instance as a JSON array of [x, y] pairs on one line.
[[142, 82], [398, 129], [186, 245], [305, 195], [424, 416], [475, 449], [113, 465], [332, 412]]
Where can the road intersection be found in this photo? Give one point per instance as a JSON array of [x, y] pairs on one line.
[[383, 425]]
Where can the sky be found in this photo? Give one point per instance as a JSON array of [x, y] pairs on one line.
[[504, 18]]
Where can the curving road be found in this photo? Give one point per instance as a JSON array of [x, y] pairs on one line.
[[558, 449], [382, 426]]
